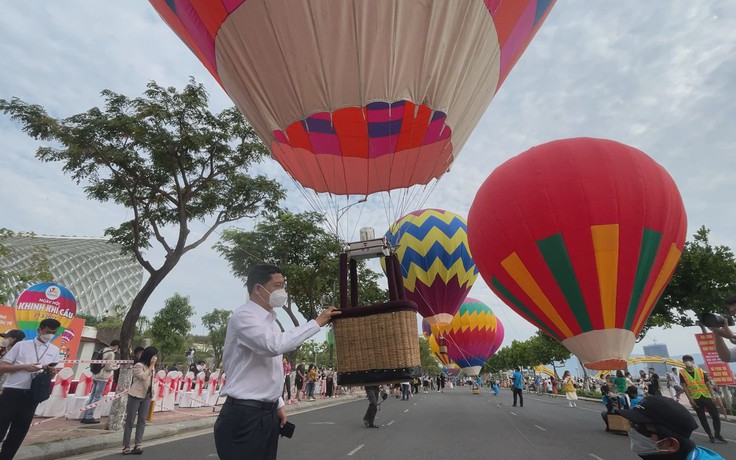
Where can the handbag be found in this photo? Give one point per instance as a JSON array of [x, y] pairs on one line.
[[41, 386]]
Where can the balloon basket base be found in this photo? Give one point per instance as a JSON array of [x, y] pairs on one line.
[[476, 391], [377, 344]]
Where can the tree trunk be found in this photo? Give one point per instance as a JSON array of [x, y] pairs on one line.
[[118, 408]]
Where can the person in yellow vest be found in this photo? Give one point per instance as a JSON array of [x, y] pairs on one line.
[[695, 382]]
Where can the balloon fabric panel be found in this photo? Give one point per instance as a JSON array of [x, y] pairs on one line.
[[359, 97]]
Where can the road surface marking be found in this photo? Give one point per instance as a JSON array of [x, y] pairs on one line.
[[512, 413], [595, 457], [415, 404], [591, 410], [543, 429], [389, 423], [406, 410], [322, 423], [356, 450]]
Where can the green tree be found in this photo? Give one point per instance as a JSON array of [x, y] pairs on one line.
[[171, 325], [308, 256], [216, 324], [429, 364], [705, 276], [545, 350], [12, 282], [168, 160], [312, 352]]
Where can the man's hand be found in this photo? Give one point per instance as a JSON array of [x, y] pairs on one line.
[[31, 367], [282, 416], [326, 316], [724, 331]]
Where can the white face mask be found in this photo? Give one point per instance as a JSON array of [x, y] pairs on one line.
[[641, 445], [46, 338], [4, 343], [689, 364], [277, 298]]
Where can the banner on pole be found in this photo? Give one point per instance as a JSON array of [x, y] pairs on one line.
[[720, 372]]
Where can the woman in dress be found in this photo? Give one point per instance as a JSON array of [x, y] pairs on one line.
[[139, 400], [569, 387]]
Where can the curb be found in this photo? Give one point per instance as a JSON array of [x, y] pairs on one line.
[[69, 447]]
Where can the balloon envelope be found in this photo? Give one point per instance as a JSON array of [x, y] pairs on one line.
[[580, 237], [355, 97], [438, 272], [471, 336]]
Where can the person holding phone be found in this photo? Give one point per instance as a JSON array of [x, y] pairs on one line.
[[21, 363], [139, 400], [249, 423]]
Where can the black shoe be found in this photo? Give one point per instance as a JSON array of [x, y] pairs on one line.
[[90, 421], [513, 405], [712, 439], [367, 424], [373, 426], [720, 440]]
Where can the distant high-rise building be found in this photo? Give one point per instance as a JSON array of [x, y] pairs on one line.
[[657, 349]]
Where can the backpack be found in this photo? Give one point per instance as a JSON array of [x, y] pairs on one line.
[[96, 368]]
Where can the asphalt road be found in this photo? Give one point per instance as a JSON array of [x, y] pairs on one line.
[[454, 424]]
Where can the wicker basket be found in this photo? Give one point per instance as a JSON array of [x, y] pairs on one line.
[[377, 344]]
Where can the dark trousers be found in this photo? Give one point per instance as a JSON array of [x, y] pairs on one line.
[[703, 404], [16, 413], [287, 387], [370, 414], [520, 393], [243, 432]]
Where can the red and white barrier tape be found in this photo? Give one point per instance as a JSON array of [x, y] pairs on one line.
[[84, 408], [97, 361]]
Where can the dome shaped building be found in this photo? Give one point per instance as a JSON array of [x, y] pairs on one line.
[[93, 269]]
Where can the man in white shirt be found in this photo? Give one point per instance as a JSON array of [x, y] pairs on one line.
[[25, 359], [726, 353], [249, 422]]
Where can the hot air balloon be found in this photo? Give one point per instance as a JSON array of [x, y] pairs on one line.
[[580, 237], [359, 97], [436, 266], [499, 337], [434, 347], [41, 301], [66, 336], [471, 336]]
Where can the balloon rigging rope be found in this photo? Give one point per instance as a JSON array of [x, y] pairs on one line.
[[519, 430]]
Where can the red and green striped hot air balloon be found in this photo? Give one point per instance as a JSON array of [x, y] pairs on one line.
[[471, 336], [580, 237]]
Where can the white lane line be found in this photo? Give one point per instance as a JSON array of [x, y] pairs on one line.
[[322, 423], [389, 423], [595, 457], [591, 410], [543, 429], [415, 404], [356, 450], [406, 410], [512, 413]]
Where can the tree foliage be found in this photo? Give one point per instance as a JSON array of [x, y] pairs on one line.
[[167, 159], [216, 324], [704, 277], [12, 282], [536, 350], [171, 325], [306, 253], [313, 352], [429, 364]]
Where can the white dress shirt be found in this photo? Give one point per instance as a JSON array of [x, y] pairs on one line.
[[251, 356], [28, 352]]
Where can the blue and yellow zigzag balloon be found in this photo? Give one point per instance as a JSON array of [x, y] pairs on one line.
[[436, 266]]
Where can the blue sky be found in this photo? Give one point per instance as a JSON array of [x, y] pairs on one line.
[[657, 75]]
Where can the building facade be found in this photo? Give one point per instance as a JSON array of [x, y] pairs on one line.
[[93, 269]]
